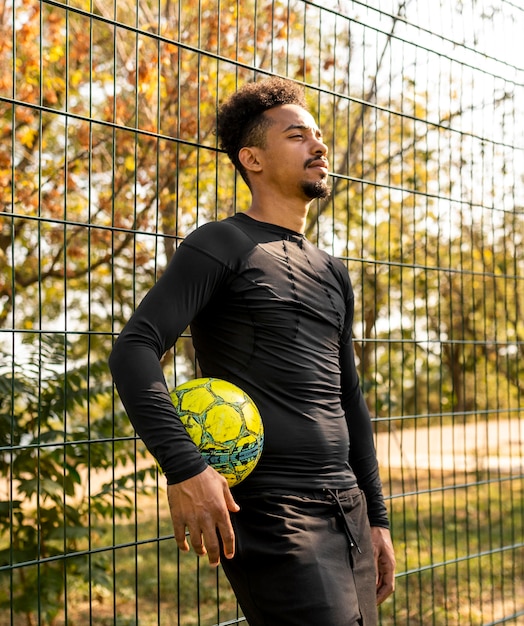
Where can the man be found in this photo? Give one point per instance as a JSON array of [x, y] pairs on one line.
[[305, 537]]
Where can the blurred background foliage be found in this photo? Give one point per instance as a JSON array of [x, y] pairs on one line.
[[108, 158]]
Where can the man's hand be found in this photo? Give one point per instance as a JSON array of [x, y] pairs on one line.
[[202, 504], [384, 562]]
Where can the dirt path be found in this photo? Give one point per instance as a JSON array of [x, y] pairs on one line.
[[497, 444]]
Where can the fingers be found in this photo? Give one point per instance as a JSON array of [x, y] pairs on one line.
[[385, 579], [215, 529], [384, 561], [204, 537], [179, 528], [180, 537], [204, 540], [203, 504], [227, 537], [225, 530], [230, 501], [385, 587]]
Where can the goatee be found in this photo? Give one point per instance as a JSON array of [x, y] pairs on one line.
[[318, 189]]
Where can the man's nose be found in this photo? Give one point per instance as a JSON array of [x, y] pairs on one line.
[[319, 147]]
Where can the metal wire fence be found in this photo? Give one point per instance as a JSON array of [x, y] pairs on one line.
[[108, 158]]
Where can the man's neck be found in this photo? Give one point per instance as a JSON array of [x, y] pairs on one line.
[[286, 213]]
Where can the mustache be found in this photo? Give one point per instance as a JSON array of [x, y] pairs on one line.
[[314, 159]]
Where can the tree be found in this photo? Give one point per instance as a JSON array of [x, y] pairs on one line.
[[109, 164]]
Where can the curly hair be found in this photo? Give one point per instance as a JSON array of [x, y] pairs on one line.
[[241, 121]]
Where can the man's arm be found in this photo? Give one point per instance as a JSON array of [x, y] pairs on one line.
[[363, 461], [183, 290], [362, 454], [199, 498]]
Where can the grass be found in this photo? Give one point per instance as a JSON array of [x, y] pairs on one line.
[[459, 549], [457, 546]]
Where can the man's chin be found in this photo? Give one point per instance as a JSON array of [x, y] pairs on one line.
[[318, 189]]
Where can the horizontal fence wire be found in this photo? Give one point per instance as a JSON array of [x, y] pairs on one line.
[[109, 158]]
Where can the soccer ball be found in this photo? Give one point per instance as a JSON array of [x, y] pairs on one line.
[[224, 423]]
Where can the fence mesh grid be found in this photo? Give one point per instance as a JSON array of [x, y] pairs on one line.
[[108, 158]]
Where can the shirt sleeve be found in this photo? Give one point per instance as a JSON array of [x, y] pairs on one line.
[[362, 453], [188, 283]]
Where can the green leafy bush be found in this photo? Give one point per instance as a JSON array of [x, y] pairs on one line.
[[57, 433]]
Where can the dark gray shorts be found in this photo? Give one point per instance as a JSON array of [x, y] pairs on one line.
[[299, 562]]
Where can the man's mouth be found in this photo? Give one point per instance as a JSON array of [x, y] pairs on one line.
[[317, 163]]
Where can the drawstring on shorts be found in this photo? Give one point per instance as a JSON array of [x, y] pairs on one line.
[[341, 514]]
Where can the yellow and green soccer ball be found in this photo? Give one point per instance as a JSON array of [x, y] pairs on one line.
[[224, 423]]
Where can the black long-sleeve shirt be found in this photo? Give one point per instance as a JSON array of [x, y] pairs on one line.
[[273, 314]]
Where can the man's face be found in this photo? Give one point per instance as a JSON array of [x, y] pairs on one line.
[[294, 156]]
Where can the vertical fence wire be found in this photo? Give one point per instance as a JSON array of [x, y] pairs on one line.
[[108, 158]]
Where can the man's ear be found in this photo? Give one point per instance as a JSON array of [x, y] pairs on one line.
[[249, 157]]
